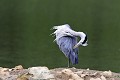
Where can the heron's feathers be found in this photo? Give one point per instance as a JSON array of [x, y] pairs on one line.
[[62, 30], [66, 39], [66, 44], [61, 26], [65, 30]]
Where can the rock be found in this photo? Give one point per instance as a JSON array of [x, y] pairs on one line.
[[79, 72], [87, 69], [4, 71], [103, 78], [43, 73], [107, 73], [71, 79], [95, 79], [19, 67], [5, 75], [71, 75], [24, 76], [40, 73], [82, 75]]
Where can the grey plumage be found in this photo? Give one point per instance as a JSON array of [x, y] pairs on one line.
[[66, 44], [66, 38]]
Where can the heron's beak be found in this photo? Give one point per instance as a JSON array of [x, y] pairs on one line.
[[75, 46]]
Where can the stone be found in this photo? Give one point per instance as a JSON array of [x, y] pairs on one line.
[[71, 75], [40, 73], [107, 73], [103, 78], [95, 79]]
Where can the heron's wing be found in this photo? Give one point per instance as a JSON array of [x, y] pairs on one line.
[[66, 44]]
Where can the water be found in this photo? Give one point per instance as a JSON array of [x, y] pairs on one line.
[[25, 32]]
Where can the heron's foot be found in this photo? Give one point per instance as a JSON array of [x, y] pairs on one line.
[[68, 66]]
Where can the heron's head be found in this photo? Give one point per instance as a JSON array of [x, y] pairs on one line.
[[84, 43]]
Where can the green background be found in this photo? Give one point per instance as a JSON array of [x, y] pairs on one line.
[[25, 32]]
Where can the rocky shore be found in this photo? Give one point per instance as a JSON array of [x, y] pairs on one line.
[[43, 73]]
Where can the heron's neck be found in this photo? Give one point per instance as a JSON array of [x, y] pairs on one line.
[[81, 35]]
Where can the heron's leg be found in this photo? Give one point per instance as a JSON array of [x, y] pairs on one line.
[[68, 62]]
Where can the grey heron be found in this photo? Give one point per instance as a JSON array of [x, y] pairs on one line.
[[66, 39]]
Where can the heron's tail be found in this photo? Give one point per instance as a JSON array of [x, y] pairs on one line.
[[74, 58]]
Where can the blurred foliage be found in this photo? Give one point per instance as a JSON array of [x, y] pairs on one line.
[[25, 32]]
